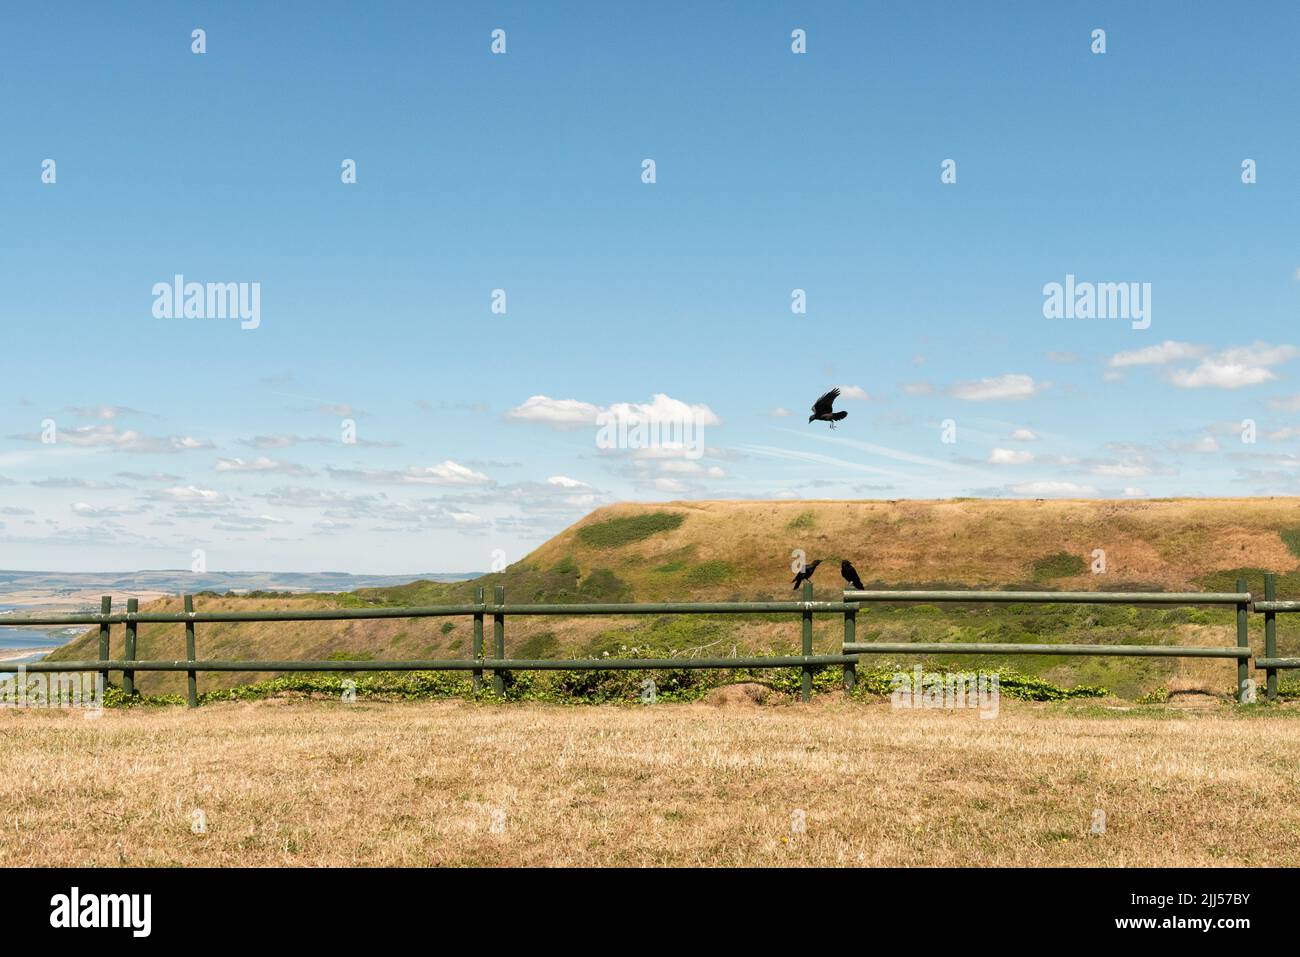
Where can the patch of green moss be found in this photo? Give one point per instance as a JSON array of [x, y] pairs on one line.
[[541, 645], [714, 572], [1058, 565], [668, 568], [1291, 539], [802, 522]]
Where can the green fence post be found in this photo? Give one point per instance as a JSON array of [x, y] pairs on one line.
[[807, 642], [850, 636], [105, 608], [1270, 633], [128, 677], [478, 637], [1243, 641], [498, 638], [191, 677]]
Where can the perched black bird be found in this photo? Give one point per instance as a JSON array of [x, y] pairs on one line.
[[806, 574], [850, 574], [822, 409]]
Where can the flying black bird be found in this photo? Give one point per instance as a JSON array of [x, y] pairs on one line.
[[806, 574], [822, 409], [850, 574]]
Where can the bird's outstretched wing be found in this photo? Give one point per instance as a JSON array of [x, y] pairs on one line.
[[823, 405]]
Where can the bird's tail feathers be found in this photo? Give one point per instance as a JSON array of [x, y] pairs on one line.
[[838, 415]]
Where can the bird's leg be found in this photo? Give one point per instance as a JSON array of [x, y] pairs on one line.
[[832, 425]]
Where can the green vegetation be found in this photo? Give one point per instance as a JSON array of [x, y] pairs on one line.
[[802, 522], [714, 572], [563, 582], [1291, 539], [667, 568], [617, 532], [1288, 583], [594, 686], [1059, 565], [541, 645]]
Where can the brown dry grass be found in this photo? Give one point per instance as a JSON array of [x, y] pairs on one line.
[[291, 782]]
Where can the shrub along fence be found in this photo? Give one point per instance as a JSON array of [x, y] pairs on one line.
[[499, 665]]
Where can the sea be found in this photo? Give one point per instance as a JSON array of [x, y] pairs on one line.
[[19, 638]]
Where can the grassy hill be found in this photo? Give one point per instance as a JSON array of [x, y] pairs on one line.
[[743, 549]]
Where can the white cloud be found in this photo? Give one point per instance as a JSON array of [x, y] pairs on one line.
[[261, 464], [101, 411], [669, 485], [1024, 435], [664, 409], [249, 523], [453, 473], [103, 511], [563, 481], [854, 392], [1010, 457], [1121, 469], [128, 440], [1012, 386], [557, 413], [1131, 492], [283, 441], [1167, 351], [445, 473], [1054, 490], [573, 414], [780, 413], [188, 493], [1236, 367]]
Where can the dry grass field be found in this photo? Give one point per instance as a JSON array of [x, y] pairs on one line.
[[286, 782]]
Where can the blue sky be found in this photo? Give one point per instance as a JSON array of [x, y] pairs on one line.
[[775, 171]]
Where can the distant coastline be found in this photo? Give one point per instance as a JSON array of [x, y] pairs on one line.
[[55, 593]]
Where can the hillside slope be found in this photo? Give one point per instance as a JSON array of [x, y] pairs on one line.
[[743, 549], [721, 549]]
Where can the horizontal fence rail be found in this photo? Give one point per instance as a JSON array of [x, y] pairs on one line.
[[979, 648], [500, 665], [1057, 597], [441, 611], [441, 664]]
